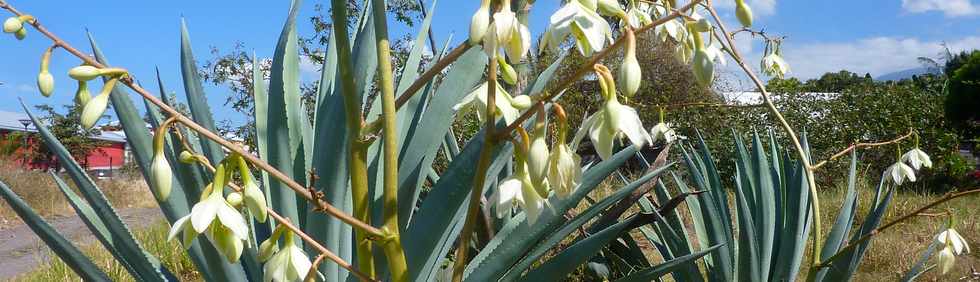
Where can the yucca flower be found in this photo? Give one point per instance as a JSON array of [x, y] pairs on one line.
[[289, 263], [93, 110], [519, 188], [899, 172], [951, 238], [917, 158], [509, 33], [704, 67], [508, 108], [612, 121], [253, 196], [953, 245], [610, 8], [538, 153], [12, 24], [45, 81], [773, 65], [507, 196], [215, 217], [636, 17], [663, 131], [564, 166], [588, 28]]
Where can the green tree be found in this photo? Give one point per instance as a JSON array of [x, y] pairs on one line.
[[67, 127], [963, 99]]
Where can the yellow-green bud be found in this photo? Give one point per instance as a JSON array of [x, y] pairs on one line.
[[630, 73], [255, 200], [84, 73], [82, 96], [161, 176], [186, 157], [521, 102], [509, 74], [20, 34], [268, 248], [234, 199], [744, 13], [702, 25], [480, 23], [610, 8], [537, 158], [704, 68], [93, 110], [12, 24], [45, 81]]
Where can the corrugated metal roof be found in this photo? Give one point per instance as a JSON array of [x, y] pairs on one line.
[[12, 121]]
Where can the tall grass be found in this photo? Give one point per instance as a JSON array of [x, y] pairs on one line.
[[153, 239], [38, 189]]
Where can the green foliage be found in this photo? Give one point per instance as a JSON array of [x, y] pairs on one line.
[[963, 99], [67, 128]]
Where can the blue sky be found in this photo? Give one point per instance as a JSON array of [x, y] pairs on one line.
[[877, 37]]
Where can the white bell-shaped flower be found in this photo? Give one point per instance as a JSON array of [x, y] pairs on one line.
[[946, 260], [917, 158], [508, 107], [290, 263], [588, 28], [612, 121], [773, 65], [951, 238], [507, 195], [663, 131], [564, 170], [899, 172], [480, 23], [216, 218]]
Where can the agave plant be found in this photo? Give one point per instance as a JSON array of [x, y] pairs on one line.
[[505, 208]]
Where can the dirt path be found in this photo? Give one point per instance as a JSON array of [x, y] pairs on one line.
[[21, 251]]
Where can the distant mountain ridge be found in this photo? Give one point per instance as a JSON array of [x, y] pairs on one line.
[[905, 74]]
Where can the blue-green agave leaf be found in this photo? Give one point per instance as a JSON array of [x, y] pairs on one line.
[[654, 273]]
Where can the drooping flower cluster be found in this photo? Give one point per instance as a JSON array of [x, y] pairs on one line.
[[287, 262], [901, 170], [219, 217], [953, 245], [15, 25], [772, 63]]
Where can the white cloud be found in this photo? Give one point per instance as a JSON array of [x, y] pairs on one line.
[[950, 8], [759, 7], [876, 55]]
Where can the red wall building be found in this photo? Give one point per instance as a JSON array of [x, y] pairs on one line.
[[101, 162]]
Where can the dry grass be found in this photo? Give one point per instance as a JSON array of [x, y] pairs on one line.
[[153, 239], [37, 188]]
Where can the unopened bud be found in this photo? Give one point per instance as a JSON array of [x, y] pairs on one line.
[[480, 23], [267, 249], [84, 73], [704, 68], [630, 73], [45, 81], [12, 25], [234, 199], [20, 34], [186, 157], [610, 8], [507, 71], [93, 110], [702, 25], [744, 13], [161, 176], [82, 95], [255, 200], [521, 102]]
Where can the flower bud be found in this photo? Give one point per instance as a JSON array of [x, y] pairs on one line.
[[161, 176], [186, 157], [630, 73], [267, 249], [255, 200], [84, 73], [744, 13], [12, 25], [20, 34], [509, 74], [522, 102], [93, 110], [537, 159], [45, 83], [702, 25], [480, 23], [704, 69], [234, 199], [610, 8], [82, 96]]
